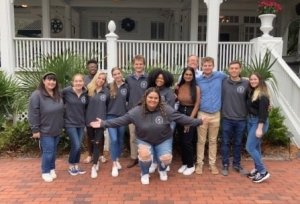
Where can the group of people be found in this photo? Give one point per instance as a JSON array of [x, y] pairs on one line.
[[147, 104]]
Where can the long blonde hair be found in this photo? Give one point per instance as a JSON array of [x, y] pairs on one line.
[[261, 89], [113, 85], [92, 86]]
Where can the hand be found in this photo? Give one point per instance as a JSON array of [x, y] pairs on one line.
[[36, 135], [270, 107], [204, 119], [258, 133], [186, 129], [96, 124]]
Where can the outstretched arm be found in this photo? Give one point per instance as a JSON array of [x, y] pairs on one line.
[[113, 123]]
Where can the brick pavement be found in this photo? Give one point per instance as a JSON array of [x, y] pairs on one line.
[[21, 183]]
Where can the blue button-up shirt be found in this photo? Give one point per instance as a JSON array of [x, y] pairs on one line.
[[211, 91]]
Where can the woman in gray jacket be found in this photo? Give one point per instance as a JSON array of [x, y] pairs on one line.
[[152, 119]]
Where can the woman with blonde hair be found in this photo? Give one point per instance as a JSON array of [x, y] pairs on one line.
[[118, 91], [98, 96], [258, 123]]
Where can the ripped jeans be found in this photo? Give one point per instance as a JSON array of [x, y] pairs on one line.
[[161, 150]]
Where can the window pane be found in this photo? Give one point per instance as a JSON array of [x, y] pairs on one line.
[[94, 30], [153, 30], [161, 31], [102, 30]]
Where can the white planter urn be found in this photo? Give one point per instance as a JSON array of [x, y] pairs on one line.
[[266, 23]]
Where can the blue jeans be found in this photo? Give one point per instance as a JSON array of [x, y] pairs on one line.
[[76, 136], [49, 147], [116, 136], [160, 149], [253, 143], [237, 128]]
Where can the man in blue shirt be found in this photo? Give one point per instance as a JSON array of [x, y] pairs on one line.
[[210, 83]]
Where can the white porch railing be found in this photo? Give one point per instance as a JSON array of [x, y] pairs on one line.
[[229, 51], [288, 95], [28, 51]]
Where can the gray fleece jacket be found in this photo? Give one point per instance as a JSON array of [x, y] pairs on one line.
[[154, 128]]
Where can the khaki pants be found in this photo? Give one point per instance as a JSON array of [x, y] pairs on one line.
[[213, 129], [133, 145]]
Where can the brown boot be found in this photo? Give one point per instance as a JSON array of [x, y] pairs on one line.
[[132, 163]]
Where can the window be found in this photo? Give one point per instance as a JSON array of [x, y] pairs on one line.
[[98, 29], [157, 31]]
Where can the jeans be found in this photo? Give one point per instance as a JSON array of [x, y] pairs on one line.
[[96, 135], [116, 136], [76, 136], [164, 148], [49, 147], [237, 128], [253, 144]]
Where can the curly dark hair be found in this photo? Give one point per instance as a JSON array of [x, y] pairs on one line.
[[193, 83], [168, 77], [143, 104]]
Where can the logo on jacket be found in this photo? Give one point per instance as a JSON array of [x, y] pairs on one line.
[[123, 91], [240, 89], [144, 84], [159, 120], [83, 99], [103, 97]]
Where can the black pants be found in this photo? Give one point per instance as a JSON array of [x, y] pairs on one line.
[[186, 138], [97, 136]]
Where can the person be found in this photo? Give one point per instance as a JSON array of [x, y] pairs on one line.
[[152, 119], [118, 91], [162, 80], [92, 69], [210, 83], [188, 95], [98, 100], [258, 124], [193, 62], [75, 100], [137, 84], [234, 116], [45, 116]]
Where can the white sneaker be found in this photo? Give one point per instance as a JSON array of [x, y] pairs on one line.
[[114, 171], [145, 179], [94, 173], [152, 168], [97, 166], [53, 174], [163, 175], [189, 171], [168, 168], [47, 177], [182, 168], [118, 165]]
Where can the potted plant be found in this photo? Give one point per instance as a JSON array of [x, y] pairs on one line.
[[267, 10]]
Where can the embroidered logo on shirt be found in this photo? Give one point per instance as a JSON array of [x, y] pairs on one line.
[[123, 91], [159, 120], [83, 99], [240, 89], [103, 97], [144, 84]]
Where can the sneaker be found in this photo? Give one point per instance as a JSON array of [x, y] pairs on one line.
[[182, 168], [97, 166], [53, 174], [118, 165], [213, 169], [47, 177], [152, 168], [240, 170], [163, 175], [224, 170], [168, 168], [199, 168], [252, 174], [73, 171], [102, 159], [80, 171], [94, 173], [189, 171], [114, 171], [261, 177], [145, 179]]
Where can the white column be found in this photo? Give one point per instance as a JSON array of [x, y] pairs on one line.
[[212, 34], [68, 22], [194, 20], [46, 30], [177, 25], [7, 35], [112, 53], [261, 44]]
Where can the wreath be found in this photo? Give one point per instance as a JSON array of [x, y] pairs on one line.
[[56, 25], [128, 24]]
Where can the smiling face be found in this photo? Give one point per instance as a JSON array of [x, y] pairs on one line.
[[254, 81], [117, 75], [49, 83], [78, 82], [92, 67], [234, 70], [188, 76], [160, 82], [207, 68], [152, 100], [193, 62], [101, 80], [138, 66]]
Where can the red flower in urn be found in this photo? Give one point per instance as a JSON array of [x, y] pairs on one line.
[[268, 7]]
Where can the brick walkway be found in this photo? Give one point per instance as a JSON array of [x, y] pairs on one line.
[[20, 182]]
